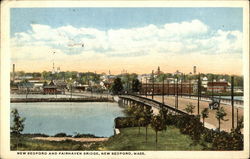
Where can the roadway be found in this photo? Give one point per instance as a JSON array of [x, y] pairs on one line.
[[211, 121]]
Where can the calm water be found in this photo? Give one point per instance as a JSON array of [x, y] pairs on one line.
[[70, 118], [229, 97]]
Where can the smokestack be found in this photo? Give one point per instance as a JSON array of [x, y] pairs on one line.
[[194, 71], [13, 76]]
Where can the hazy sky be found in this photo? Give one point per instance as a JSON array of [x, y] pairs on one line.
[[133, 39]]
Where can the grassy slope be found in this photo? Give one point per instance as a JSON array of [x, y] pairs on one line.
[[129, 139], [28, 144]]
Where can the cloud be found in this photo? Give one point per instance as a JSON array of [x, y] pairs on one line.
[[140, 45]]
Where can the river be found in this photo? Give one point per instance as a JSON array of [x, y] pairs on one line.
[[70, 118]]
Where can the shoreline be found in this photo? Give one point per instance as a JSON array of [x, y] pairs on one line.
[[82, 139], [29, 100]]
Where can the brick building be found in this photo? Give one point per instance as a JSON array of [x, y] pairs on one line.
[[169, 88], [217, 86], [50, 89]]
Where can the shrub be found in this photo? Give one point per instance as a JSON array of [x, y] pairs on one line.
[[85, 135], [60, 135], [123, 122]]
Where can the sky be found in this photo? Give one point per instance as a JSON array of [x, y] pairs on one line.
[[133, 39]]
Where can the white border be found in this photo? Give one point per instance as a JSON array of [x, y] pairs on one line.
[[5, 75]]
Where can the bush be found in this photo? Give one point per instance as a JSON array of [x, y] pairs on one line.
[[61, 135], [124, 122], [85, 135], [208, 135], [228, 141]]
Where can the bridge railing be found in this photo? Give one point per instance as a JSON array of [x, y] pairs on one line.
[[157, 103]]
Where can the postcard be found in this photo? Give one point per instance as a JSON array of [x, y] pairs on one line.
[[124, 79]]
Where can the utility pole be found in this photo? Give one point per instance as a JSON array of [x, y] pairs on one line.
[[168, 87], [177, 93], [232, 100], [181, 85], [163, 90], [141, 87], [146, 87], [153, 84], [189, 88], [237, 117], [198, 111], [212, 86]]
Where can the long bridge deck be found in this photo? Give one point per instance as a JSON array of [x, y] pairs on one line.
[[150, 102]]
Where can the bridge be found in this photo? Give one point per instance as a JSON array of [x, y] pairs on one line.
[[128, 99], [178, 105]]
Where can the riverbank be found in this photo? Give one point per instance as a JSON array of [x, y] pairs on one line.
[[83, 139], [27, 100], [128, 139]]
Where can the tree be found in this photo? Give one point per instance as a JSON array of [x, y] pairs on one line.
[[147, 114], [204, 114], [163, 113], [136, 85], [138, 113], [117, 86], [27, 85], [190, 108], [220, 114], [158, 125], [17, 126]]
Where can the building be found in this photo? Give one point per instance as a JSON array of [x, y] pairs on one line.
[[158, 72], [169, 88], [217, 86], [177, 72], [61, 86], [50, 89], [204, 82]]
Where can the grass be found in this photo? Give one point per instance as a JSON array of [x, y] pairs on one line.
[[128, 139], [171, 139], [28, 144]]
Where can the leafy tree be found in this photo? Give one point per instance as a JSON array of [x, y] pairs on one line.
[[117, 86], [26, 84], [161, 77], [17, 125], [138, 113], [136, 85], [240, 125], [46, 75], [190, 108], [158, 125], [238, 81], [220, 114], [204, 114], [18, 122], [130, 109], [147, 114], [163, 113]]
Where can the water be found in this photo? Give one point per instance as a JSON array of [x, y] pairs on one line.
[[68, 95], [229, 97], [70, 118]]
